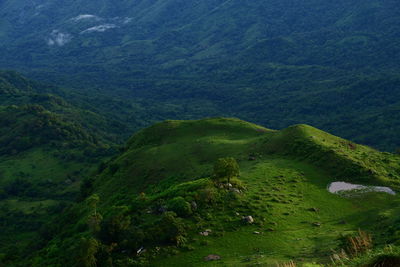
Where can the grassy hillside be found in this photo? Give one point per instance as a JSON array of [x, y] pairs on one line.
[[149, 205]]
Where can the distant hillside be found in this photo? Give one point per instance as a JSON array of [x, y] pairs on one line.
[[159, 202], [47, 147], [334, 64], [17, 90]]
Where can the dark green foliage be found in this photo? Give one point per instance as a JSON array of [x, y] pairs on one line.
[[385, 261], [170, 229], [180, 206], [86, 188], [115, 225], [332, 64], [20, 187], [87, 251]]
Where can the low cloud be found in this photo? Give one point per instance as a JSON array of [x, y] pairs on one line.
[[100, 28], [58, 38], [127, 20], [85, 17]]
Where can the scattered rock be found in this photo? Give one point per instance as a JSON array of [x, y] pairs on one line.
[[235, 190], [194, 205], [256, 233], [208, 230], [212, 257], [316, 224], [313, 209], [205, 233], [237, 213], [248, 219], [230, 185], [251, 158], [140, 250]]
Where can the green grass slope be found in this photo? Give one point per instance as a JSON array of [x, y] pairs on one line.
[[159, 195]]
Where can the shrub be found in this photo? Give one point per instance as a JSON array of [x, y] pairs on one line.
[[208, 195], [171, 229], [386, 260], [359, 243], [180, 206], [114, 226]]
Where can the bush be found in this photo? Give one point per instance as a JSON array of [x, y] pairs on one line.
[[171, 229], [180, 206], [386, 260]]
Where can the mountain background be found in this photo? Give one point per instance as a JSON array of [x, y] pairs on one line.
[[333, 65]]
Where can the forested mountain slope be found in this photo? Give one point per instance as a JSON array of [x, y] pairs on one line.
[[47, 147], [334, 64]]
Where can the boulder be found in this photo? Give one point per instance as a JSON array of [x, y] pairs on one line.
[[248, 219], [235, 190], [251, 158], [212, 257]]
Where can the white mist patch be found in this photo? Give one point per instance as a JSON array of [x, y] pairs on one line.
[[85, 17], [339, 187], [100, 28], [126, 20], [58, 38]]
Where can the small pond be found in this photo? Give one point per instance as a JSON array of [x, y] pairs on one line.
[[337, 187]]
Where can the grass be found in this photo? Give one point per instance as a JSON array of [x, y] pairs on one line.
[[284, 192], [285, 175], [286, 187]]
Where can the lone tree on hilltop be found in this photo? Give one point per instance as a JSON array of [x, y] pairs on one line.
[[226, 168]]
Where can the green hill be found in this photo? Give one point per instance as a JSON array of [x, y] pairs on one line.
[[152, 204]]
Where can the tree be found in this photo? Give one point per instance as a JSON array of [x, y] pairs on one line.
[[92, 201], [94, 218], [87, 252], [171, 229], [226, 168], [114, 226]]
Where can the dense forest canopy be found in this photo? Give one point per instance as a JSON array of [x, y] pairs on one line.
[[334, 64]]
